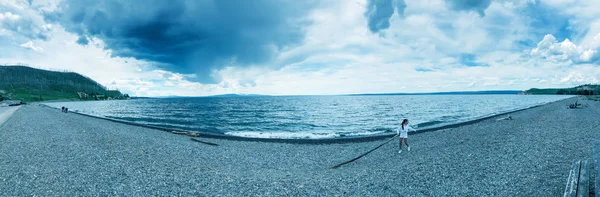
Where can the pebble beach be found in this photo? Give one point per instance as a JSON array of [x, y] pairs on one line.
[[44, 152]]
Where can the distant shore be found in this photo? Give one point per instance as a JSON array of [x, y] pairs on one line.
[[45, 152]]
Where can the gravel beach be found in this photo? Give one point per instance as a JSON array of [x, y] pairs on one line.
[[44, 152]]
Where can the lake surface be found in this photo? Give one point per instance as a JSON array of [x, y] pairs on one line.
[[306, 116]]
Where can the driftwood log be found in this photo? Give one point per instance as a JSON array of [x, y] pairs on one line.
[[505, 118], [574, 105], [179, 132], [208, 143], [192, 134]]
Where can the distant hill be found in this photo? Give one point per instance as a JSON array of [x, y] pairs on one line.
[[237, 95], [589, 89], [447, 93], [218, 95], [31, 84]]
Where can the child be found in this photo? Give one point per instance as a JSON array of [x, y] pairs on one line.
[[403, 130]]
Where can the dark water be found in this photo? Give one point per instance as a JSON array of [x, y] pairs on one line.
[[306, 116]]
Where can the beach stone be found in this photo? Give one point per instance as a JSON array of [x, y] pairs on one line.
[[44, 152]]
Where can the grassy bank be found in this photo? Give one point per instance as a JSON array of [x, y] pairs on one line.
[[31, 84], [588, 89]]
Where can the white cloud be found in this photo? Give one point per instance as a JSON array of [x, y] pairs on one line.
[[420, 52], [29, 45], [549, 48], [22, 22], [578, 78], [340, 55], [4, 17]]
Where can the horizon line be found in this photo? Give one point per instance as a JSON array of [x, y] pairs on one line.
[[351, 94]]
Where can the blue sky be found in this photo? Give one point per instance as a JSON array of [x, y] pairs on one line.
[[286, 47]]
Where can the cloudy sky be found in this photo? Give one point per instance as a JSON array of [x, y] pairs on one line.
[[289, 47]]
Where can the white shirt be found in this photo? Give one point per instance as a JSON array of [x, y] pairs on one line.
[[404, 132]]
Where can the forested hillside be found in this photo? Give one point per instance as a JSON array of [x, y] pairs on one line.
[[31, 84], [589, 89]]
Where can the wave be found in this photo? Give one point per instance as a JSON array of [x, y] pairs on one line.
[[429, 123], [306, 117], [283, 135]]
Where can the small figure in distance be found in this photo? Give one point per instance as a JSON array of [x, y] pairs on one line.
[[63, 109], [403, 130], [66, 110]]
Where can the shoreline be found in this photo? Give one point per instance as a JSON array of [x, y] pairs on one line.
[[48, 153], [350, 139]]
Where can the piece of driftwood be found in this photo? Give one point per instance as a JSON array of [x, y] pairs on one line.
[[579, 180], [179, 132], [583, 188], [358, 157], [505, 118], [572, 180], [574, 105], [208, 143], [192, 134]]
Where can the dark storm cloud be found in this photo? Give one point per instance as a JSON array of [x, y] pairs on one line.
[[478, 6], [83, 41], [188, 36], [379, 12]]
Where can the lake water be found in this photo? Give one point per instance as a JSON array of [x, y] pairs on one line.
[[306, 116]]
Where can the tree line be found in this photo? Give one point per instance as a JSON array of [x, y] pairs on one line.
[[34, 81]]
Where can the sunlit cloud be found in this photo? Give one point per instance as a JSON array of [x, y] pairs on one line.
[[211, 47]]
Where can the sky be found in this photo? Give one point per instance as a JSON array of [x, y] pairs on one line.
[[289, 47]]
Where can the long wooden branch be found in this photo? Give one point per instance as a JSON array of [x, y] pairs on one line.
[[356, 158]]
